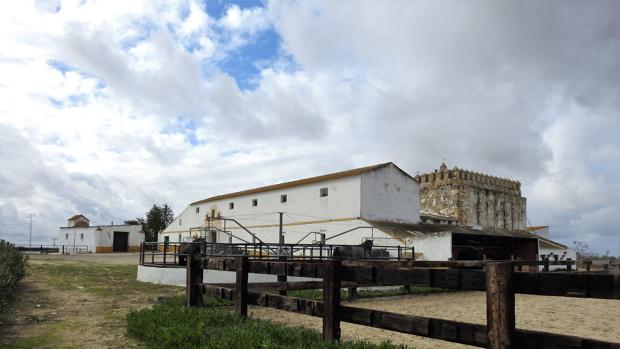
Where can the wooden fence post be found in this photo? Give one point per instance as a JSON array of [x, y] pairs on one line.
[[352, 293], [241, 286], [193, 280], [500, 305], [331, 300]]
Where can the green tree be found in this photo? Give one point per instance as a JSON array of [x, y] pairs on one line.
[[157, 219]]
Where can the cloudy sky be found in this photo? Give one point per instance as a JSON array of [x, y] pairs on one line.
[[107, 107]]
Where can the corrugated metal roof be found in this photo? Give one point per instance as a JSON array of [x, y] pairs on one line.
[[407, 230], [299, 182]]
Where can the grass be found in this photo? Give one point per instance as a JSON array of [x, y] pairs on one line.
[[173, 325], [365, 293]]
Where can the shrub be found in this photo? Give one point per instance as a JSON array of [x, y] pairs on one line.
[[173, 325], [12, 269]]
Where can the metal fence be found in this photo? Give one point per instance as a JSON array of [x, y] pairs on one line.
[[44, 249], [175, 253]]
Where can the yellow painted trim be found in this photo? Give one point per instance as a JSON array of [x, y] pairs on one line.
[[108, 249]]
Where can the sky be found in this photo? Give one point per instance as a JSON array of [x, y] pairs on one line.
[[107, 107]]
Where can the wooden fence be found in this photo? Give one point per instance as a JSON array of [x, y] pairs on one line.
[[499, 280]]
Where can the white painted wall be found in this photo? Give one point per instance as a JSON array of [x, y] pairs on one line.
[[176, 276], [303, 204], [73, 236], [435, 247], [94, 236], [387, 194], [105, 234]]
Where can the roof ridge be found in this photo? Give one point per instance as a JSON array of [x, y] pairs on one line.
[[293, 183]]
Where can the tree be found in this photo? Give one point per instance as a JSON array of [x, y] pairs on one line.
[[136, 221], [157, 219]]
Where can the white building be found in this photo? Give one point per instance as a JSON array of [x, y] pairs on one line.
[[328, 204], [379, 202], [100, 238]]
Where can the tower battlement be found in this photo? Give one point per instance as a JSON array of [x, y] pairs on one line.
[[457, 176], [475, 199]]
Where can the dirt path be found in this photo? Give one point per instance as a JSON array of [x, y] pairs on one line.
[[592, 318], [64, 304]]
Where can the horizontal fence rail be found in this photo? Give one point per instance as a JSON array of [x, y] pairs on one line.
[[604, 286], [499, 280]]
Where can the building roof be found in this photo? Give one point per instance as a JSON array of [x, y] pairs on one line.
[[335, 175], [77, 216], [399, 230], [538, 227], [435, 216]]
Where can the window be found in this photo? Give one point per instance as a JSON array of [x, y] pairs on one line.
[[179, 237], [81, 236], [231, 205], [66, 236], [283, 198], [254, 202], [212, 213], [197, 209], [180, 221], [323, 192]]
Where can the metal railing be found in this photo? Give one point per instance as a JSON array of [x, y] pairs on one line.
[[175, 253], [63, 249]]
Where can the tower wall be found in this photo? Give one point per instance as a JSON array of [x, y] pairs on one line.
[[473, 198]]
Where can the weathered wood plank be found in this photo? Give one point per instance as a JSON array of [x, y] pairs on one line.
[[500, 306], [331, 301], [452, 331], [193, 281], [241, 286]]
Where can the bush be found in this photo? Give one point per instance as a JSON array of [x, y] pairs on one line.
[[12, 269], [173, 325]]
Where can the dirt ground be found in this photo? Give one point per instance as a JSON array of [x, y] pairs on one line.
[[592, 318], [78, 303]]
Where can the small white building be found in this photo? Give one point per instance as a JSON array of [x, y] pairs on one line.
[[100, 238], [328, 204]]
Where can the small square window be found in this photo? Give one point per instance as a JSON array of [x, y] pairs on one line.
[[66, 236], [283, 198], [197, 209], [323, 192], [231, 205], [81, 236], [254, 202]]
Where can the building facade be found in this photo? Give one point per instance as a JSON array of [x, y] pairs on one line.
[[328, 204], [474, 199], [100, 238]]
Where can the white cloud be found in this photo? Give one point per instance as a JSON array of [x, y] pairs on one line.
[[355, 83]]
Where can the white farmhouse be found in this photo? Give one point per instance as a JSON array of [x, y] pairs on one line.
[[314, 209], [379, 203], [79, 234]]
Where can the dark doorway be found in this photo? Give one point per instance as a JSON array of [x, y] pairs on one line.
[[120, 242]]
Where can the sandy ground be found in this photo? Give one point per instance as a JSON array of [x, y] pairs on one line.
[[592, 318], [105, 258]]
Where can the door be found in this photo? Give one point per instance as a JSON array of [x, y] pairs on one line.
[[120, 243]]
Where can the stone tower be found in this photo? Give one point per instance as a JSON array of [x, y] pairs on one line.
[[475, 199]]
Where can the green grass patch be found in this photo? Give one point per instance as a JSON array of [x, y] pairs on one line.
[[173, 325], [318, 294]]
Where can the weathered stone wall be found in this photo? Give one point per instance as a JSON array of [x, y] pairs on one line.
[[474, 199]]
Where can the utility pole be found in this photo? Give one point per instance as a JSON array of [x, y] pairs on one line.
[[30, 217]]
